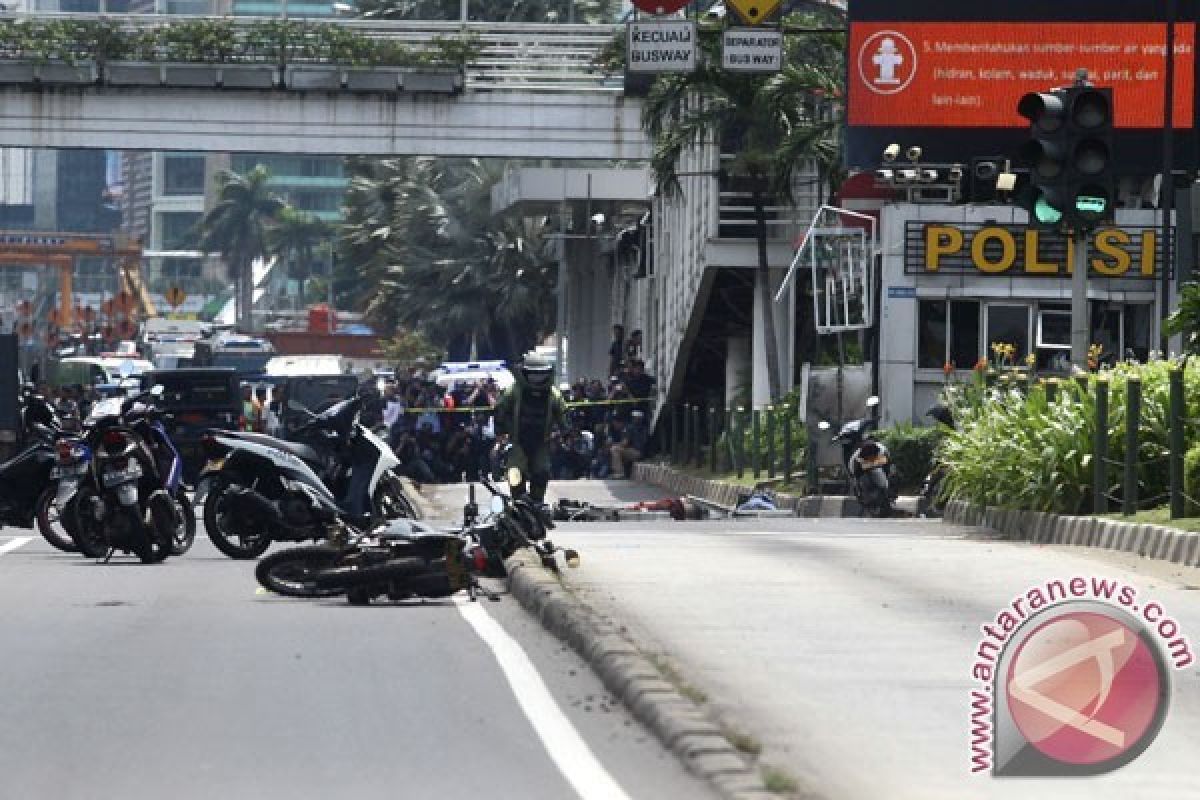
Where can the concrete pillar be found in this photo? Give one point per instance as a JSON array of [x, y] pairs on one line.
[[785, 317], [737, 368]]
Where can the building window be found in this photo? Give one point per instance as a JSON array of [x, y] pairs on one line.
[[947, 331], [178, 229], [183, 174], [1008, 324]]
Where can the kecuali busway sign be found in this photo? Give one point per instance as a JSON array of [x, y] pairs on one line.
[[752, 50], [661, 46]]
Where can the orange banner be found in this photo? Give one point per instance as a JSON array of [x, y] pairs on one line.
[[968, 74]]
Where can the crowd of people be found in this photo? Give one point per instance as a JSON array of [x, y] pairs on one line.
[[448, 434]]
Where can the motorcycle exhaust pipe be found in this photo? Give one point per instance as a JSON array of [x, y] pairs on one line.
[[252, 504]]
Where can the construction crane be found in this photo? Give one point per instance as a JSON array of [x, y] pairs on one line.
[[60, 251]]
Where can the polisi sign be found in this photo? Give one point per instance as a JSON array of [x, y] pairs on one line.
[[661, 46], [1131, 251], [752, 50]]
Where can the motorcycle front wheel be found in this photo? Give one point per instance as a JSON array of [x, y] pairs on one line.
[[292, 572], [157, 538], [88, 532], [233, 543], [50, 522], [185, 534]]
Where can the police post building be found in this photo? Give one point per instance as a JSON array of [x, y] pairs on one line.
[[932, 97], [958, 279]]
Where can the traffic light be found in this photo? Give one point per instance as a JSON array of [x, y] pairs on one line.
[[1045, 197], [1091, 180], [1070, 157]]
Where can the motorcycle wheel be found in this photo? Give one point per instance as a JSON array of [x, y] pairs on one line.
[[185, 535], [291, 572], [234, 545], [357, 577], [88, 532], [157, 538], [50, 523]]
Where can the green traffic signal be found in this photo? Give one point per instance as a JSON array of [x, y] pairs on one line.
[[1045, 213]]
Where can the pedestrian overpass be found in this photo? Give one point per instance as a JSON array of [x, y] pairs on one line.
[[526, 91]]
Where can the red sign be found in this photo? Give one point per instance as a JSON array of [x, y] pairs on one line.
[[971, 74], [659, 6]]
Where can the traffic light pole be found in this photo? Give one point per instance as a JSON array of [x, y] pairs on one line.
[[1080, 324]]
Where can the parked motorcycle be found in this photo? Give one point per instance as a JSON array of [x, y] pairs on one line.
[[126, 501], [404, 559], [930, 502], [258, 489], [23, 478], [55, 506], [867, 464]]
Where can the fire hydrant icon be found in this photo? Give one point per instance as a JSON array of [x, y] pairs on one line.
[[887, 58]]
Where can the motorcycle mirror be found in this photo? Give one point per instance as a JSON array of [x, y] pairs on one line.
[[497, 504], [823, 425], [872, 401], [515, 477]]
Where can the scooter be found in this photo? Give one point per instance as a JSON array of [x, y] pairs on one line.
[[867, 464], [266, 490]]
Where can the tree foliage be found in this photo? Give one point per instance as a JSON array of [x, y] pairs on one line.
[[420, 235], [296, 237], [1186, 319], [583, 11], [236, 227]]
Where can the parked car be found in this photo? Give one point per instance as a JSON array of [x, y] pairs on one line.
[[197, 399]]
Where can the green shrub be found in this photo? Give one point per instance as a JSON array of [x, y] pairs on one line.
[[913, 450], [1191, 480]]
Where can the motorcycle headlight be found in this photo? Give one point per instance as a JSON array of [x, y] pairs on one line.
[[515, 477]]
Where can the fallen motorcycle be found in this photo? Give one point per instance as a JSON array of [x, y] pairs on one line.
[[403, 558]]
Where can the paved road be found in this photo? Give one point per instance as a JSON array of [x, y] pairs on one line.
[[846, 646], [181, 681]]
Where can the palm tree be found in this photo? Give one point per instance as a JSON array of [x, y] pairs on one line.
[[421, 233], [236, 227], [768, 123], [294, 237]]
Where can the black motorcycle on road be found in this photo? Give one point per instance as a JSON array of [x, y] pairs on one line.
[[867, 463], [24, 477], [258, 489], [126, 502], [404, 559]]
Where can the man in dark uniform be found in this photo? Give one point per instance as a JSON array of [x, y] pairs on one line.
[[527, 411]]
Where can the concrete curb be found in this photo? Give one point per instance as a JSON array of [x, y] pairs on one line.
[[682, 726], [1157, 542]]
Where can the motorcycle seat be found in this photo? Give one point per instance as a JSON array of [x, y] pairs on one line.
[[301, 451]]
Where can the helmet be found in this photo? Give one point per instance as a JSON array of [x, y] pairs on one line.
[[538, 374]]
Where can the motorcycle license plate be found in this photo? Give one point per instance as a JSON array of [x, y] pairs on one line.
[[133, 472], [67, 471]]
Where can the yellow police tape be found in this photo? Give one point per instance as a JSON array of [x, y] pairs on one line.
[[492, 409]]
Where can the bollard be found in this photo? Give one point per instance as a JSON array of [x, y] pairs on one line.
[[712, 440], [1177, 412], [1100, 450], [787, 444], [740, 445], [1133, 417], [755, 453], [770, 442]]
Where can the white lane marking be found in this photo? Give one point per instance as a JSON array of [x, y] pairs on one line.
[[565, 746], [18, 541]]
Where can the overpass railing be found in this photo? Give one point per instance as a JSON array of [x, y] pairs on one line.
[[491, 56]]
